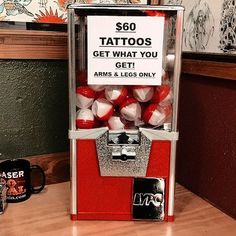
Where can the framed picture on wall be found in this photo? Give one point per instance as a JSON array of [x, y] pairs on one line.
[[209, 26], [46, 11], [41, 11]]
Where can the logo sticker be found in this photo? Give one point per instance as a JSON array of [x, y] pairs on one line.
[[148, 198]]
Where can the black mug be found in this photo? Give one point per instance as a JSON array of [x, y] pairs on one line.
[[16, 174]]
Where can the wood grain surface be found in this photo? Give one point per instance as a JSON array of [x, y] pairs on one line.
[[31, 44], [56, 166], [222, 70], [47, 214]]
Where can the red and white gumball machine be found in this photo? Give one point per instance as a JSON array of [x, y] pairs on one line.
[[124, 68]]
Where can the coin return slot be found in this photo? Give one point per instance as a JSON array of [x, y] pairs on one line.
[[123, 153]]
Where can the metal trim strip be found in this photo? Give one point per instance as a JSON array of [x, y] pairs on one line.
[[151, 134], [72, 112], [125, 7]]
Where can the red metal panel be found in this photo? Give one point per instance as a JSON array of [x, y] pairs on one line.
[[110, 198], [100, 195], [159, 165], [159, 160]]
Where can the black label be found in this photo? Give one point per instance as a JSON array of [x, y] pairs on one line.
[[148, 198]]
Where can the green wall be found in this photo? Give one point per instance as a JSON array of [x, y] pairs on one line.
[[33, 107]]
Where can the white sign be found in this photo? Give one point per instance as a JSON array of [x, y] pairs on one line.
[[125, 50]]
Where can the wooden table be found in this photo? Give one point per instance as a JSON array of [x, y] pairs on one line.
[[47, 213]]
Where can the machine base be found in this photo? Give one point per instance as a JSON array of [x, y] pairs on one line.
[[73, 217], [171, 218]]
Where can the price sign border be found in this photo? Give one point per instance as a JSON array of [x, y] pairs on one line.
[[93, 23]]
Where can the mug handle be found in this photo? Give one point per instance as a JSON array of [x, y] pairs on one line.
[[40, 188]]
